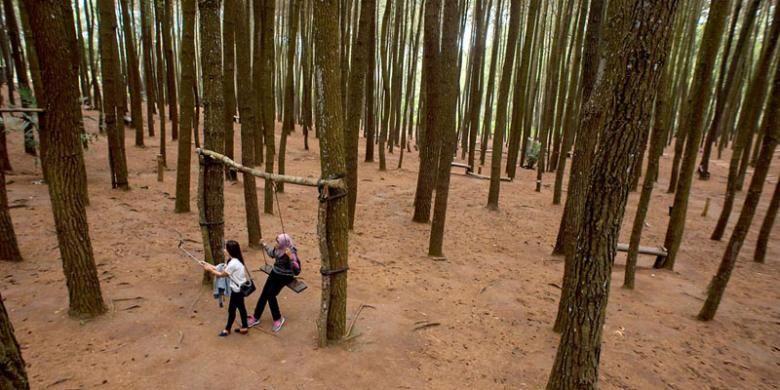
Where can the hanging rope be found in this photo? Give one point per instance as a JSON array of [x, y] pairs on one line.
[[278, 206]]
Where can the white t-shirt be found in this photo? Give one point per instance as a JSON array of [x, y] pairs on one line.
[[237, 274]]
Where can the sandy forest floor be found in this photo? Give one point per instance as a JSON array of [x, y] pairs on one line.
[[495, 296]]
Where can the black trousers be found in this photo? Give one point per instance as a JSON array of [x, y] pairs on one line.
[[273, 286], [236, 302]]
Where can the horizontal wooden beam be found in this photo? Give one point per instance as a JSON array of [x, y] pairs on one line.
[[303, 181], [21, 109]]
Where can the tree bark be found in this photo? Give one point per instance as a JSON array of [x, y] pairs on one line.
[[748, 117], [148, 49], [369, 123], [636, 43], [167, 38], [14, 374], [213, 124], [187, 102], [246, 104], [501, 109], [229, 59], [54, 34], [288, 120], [114, 128], [9, 249], [134, 75], [694, 121], [772, 130], [766, 226], [266, 93], [332, 161]]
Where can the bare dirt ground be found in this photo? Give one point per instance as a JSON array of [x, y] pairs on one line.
[[494, 298]]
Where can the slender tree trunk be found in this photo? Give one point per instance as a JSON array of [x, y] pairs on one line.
[[9, 249], [266, 93], [14, 373], [213, 125], [7, 59], [329, 120], [187, 105], [638, 41], [114, 128], [148, 48], [766, 226], [161, 74], [134, 75], [355, 101], [62, 156], [167, 38], [246, 104], [288, 120], [369, 123], [748, 117], [21, 68], [426, 176], [229, 55], [83, 68], [446, 76], [503, 103], [721, 278], [476, 79], [694, 120]]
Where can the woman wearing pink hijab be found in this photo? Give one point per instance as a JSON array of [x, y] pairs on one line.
[[286, 267]]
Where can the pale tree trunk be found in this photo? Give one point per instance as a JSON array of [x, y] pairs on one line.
[[637, 40]]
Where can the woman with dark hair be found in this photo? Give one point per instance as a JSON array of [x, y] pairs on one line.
[[286, 267], [236, 272]]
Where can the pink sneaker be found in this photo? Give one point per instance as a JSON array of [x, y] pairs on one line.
[[251, 321], [277, 326]]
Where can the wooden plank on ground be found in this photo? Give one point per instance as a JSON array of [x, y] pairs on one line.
[[645, 250]]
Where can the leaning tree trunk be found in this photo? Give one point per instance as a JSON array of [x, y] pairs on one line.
[[766, 226], [187, 102], [447, 96], [329, 122], [694, 122], [503, 103], [108, 59], [213, 125], [14, 373], [246, 104], [55, 36], [636, 43], [134, 74], [748, 117], [771, 139]]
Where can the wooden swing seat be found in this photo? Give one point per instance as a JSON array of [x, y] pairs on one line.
[[296, 285], [646, 250]]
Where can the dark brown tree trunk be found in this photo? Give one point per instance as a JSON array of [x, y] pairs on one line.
[[266, 93], [476, 78], [288, 120], [522, 80], [229, 59], [8, 61], [766, 226], [637, 40], [694, 123], [212, 202], [329, 122], [726, 78], [21, 67], [355, 101], [62, 157], [32, 57], [503, 103], [446, 77], [114, 126], [426, 176], [161, 75], [488, 113], [772, 130], [246, 104], [14, 374], [9, 249], [748, 117], [187, 102], [167, 38], [148, 49], [134, 75], [308, 74], [369, 123]]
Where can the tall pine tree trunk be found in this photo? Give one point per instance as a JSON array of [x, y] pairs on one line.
[[134, 75], [332, 161], [187, 102], [14, 372], [288, 120], [167, 38], [266, 93], [636, 43], [148, 48], [62, 157], [246, 104], [766, 226], [229, 56]]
